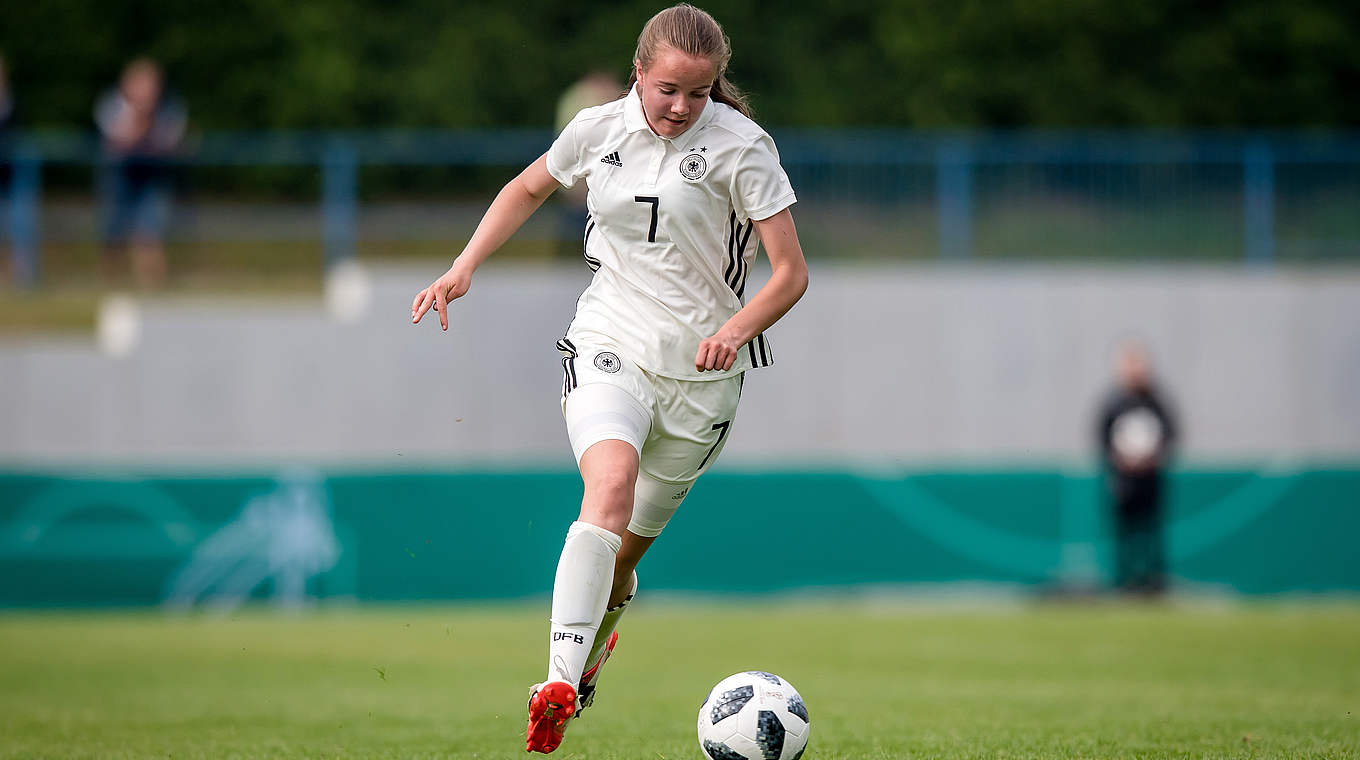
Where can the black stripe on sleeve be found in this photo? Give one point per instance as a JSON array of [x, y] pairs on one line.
[[766, 357], [737, 266], [743, 268], [731, 247], [751, 349]]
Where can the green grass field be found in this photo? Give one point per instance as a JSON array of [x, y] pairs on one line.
[[885, 681]]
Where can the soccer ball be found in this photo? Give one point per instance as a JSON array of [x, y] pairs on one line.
[[753, 716]]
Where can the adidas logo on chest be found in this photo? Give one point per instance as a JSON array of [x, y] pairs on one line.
[[612, 159]]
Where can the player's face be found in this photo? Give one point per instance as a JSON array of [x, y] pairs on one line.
[[675, 90]]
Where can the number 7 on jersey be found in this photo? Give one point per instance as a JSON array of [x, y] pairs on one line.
[[656, 202]]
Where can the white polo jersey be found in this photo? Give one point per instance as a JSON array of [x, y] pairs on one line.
[[669, 230]]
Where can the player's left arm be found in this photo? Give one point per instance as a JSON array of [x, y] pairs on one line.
[[788, 282]]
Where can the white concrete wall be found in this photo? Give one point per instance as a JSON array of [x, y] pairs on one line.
[[876, 364]]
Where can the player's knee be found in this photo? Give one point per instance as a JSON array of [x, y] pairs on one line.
[[619, 477], [611, 489], [608, 502]]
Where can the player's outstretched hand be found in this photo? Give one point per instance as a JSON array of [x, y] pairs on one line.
[[717, 352], [450, 285]]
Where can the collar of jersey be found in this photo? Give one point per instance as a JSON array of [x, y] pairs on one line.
[[634, 120]]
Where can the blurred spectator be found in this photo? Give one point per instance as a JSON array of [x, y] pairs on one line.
[[593, 89], [6, 111], [1136, 435], [142, 127], [6, 172]]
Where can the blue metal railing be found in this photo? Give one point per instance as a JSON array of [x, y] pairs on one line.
[[963, 175]]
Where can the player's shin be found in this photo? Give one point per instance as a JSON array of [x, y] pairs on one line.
[[585, 573]]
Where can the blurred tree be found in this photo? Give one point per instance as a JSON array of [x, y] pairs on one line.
[[930, 63]]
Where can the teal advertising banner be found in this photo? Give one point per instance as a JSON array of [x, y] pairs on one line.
[[134, 538]]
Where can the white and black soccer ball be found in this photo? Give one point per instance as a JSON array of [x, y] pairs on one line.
[[753, 716]]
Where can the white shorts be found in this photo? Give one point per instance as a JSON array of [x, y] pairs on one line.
[[678, 427]]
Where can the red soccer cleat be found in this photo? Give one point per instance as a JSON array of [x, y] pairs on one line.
[[551, 706]]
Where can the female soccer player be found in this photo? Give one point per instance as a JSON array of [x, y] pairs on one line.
[[677, 176]]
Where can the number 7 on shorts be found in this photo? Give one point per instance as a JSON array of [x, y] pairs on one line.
[[718, 426]]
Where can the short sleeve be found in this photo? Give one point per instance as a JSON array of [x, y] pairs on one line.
[[564, 157], [760, 188]]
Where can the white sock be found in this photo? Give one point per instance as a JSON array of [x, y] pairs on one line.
[[585, 573], [608, 623]]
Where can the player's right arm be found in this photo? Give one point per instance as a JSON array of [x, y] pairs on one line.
[[513, 205]]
